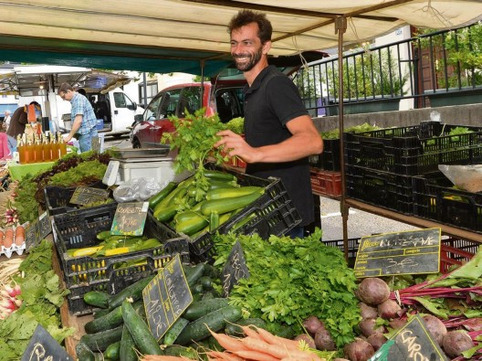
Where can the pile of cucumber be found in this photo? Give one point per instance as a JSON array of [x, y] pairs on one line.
[[192, 211], [120, 325]]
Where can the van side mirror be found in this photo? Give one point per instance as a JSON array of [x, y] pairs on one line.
[[132, 106], [138, 118]]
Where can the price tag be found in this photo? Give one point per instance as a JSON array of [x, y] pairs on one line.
[[129, 219], [166, 297], [32, 238], [86, 195], [411, 252], [411, 342], [43, 346], [110, 175], [234, 269], [44, 225]]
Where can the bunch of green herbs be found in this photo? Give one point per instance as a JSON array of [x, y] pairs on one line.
[[292, 279]]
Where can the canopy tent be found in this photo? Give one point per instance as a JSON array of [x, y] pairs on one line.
[[190, 35]]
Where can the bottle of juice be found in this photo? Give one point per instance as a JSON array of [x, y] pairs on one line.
[[55, 148], [62, 145], [47, 154], [38, 154], [20, 150], [29, 153]]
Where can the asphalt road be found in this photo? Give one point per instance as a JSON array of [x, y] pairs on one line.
[[360, 223]]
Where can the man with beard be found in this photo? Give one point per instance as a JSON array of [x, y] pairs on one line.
[[279, 133]]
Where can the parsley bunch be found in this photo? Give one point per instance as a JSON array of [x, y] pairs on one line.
[[291, 279]]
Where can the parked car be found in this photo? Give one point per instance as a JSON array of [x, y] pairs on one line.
[[224, 98]]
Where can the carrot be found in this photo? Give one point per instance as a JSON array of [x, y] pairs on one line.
[[251, 331], [19, 235], [224, 356], [8, 240], [276, 340], [227, 342], [256, 355], [256, 344], [164, 358]]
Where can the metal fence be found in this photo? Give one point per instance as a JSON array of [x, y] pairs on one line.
[[433, 69]]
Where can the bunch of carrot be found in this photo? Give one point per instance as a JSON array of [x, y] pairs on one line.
[[257, 345]]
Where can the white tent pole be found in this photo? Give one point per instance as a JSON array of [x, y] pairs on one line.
[[340, 29]]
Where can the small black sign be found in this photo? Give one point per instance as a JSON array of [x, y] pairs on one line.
[[86, 195], [43, 347], [411, 342], [129, 219], [166, 297], [234, 269], [44, 225], [410, 252], [37, 230]]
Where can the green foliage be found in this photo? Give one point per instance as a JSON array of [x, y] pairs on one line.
[[236, 125], [291, 279], [356, 129]]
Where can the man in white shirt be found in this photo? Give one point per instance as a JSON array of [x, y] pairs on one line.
[[6, 119]]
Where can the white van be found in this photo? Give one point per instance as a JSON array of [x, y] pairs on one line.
[[115, 112]]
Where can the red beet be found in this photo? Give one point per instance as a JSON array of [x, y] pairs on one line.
[[367, 311], [456, 342], [388, 309], [397, 323], [376, 339], [436, 327], [323, 340], [312, 324], [373, 291], [307, 338], [367, 327], [358, 350]]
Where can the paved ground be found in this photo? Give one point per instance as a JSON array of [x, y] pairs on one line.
[[360, 223]]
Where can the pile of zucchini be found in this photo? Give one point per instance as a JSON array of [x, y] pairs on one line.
[[120, 326], [192, 210]]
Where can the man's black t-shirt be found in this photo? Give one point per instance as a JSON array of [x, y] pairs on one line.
[[270, 103]]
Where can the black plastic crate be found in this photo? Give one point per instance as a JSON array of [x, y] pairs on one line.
[[436, 199], [57, 198], [413, 150], [353, 244], [330, 158], [78, 229], [384, 189]]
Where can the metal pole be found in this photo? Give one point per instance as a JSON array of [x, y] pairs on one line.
[[340, 29], [144, 86]]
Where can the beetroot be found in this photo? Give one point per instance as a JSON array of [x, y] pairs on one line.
[[312, 324], [456, 342], [358, 350], [367, 327], [307, 338], [367, 311], [397, 323], [376, 339], [341, 359], [436, 327], [323, 340], [388, 309], [373, 291]]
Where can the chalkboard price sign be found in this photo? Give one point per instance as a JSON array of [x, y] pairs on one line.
[[234, 269], [129, 219], [166, 297], [86, 195], [37, 230], [411, 342], [43, 347], [410, 252]]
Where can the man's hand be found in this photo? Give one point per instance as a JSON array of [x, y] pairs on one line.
[[235, 145]]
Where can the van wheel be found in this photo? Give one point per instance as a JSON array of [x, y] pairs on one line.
[[136, 143]]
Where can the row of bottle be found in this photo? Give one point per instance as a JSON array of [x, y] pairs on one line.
[[40, 148]]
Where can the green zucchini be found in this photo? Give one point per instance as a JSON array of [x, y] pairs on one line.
[[166, 213], [192, 225], [101, 340], [215, 184], [178, 350], [139, 330], [234, 329], [203, 307], [194, 273], [97, 298], [107, 322], [127, 346], [113, 351], [213, 221], [215, 320], [155, 199], [133, 291], [174, 331], [103, 235], [223, 193], [216, 174], [227, 205]]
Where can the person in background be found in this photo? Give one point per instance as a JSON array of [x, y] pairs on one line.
[[279, 133], [6, 119], [83, 117], [18, 122]]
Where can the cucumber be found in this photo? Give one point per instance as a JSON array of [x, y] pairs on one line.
[[216, 321], [84, 353], [101, 313], [227, 205], [203, 307], [177, 350], [234, 329], [127, 346], [133, 291], [113, 351], [197, 289], [139, 330], [155, 199], [97, 298], [106, 322], [206, 282], [194, 273], [174, 331], [101, 340]]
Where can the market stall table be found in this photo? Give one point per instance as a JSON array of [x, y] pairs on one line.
[[19, 171]]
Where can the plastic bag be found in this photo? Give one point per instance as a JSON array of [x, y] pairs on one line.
[[466, 177], [138, 189]]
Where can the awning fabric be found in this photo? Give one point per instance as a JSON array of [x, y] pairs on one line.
[[187, 35]]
